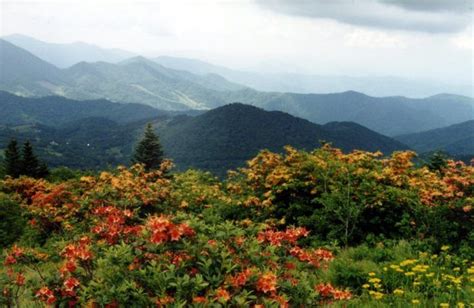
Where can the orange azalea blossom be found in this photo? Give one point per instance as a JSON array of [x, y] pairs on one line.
[[162, 230], [20, 279], [69, 267], [276, 238], [281, 300], [163, 301], [241, 278], [46, 295], [341, 295], [9, 260], [327, 291], [222, 295], [312, 257], [71, 283], [267, 283], [199, 299], [17, 251], [78, 251]]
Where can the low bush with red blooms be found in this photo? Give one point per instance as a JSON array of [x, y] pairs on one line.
[[132, 238]]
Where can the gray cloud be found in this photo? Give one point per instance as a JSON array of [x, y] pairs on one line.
[[433, 16]]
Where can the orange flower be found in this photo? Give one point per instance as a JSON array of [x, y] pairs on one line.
[[240, 279], [325, 290], [199, 299], [267, 283], [71, 283], [222, 295], [20, 279], [46, 295]]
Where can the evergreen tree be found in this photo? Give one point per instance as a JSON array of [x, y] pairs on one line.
[[30, 165], [437, 161], [12, 162], [148, 150]]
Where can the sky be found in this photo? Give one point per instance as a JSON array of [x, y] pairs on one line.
[[430, 39]]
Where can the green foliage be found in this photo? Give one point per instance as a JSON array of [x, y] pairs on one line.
[[12, 161], [298, 229], [30, 165], [12, 223]]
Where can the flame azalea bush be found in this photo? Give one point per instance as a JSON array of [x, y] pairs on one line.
[[349, 197], [267, 236]]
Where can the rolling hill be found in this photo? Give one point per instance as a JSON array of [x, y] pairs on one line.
[[65, 55], [95, 134], [227, 136], [310, 83], [139, 80], [456, 139]]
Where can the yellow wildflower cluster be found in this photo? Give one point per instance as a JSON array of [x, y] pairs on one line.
[[408, 281]]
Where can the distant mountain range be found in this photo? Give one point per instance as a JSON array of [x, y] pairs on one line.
[[306, 83], [95, 134], [140, 80], [66, 55], [456, 139]]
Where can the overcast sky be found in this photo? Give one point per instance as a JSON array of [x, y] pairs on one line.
[[409, 38]]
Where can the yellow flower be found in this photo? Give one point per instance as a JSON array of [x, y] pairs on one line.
[[445, 247], [374, 280], [398, 292], [460, 305], [409, 274], [408, 262], [429, 275], [444, 305], [366, 286], [415, 301], [371, 274], [416, 283]]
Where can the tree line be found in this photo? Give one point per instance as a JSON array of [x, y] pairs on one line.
[[23, 161]]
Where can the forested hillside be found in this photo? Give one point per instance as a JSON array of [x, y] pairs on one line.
[[139, 80]]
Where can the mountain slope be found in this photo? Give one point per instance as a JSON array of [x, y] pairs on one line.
[[21, 71], [387, 115], [305, 83], [95, 134], [136, 80], [57, 111], [456, 139], [227, 136], [65, 55], [139, 80]]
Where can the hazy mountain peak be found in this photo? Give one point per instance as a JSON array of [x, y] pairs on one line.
[[67, 54]]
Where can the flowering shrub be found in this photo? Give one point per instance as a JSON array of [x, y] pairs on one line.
[[136, 238]]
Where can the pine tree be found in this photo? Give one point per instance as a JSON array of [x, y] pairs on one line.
[[12, 160], [148, 150], [30, 165]]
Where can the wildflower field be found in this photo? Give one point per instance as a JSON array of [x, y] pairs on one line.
[[299, 229]]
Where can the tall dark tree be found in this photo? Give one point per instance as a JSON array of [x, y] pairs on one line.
[[437, 161], [12, 162], [30, 165], [148, 150]]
